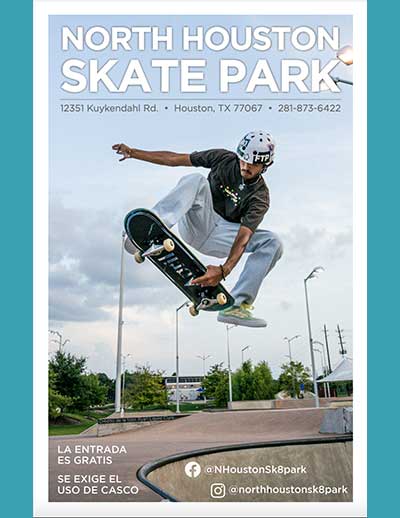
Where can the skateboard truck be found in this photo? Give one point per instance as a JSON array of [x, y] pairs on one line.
[[205, 303], [168, 245], [153, 250]]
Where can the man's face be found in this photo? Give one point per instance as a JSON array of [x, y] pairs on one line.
[[250, 171]]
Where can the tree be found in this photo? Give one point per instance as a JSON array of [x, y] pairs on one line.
[[105, 381], [297, 372], [253, 383], [58, 404], [145, 388], [265, 387], [93, 393], [243, 382], [67, 370], [69, 379], [221, 395], [216, 384]]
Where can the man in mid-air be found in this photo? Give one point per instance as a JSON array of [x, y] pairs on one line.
[[219, 215]]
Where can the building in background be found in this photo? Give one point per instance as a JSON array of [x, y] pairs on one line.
[[190, 388]]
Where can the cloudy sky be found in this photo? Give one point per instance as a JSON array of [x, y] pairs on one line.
[[90, 193]]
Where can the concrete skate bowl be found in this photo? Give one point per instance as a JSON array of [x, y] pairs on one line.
[[306, 470]]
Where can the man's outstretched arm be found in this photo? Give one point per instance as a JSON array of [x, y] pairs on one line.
[[214, 274], [155, 157]]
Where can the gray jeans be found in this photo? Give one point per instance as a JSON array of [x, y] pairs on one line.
[[190, 205]]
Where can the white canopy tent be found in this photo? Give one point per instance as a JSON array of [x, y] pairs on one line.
[[343, 372]]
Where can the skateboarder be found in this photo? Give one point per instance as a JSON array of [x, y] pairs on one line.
[[219, 215]]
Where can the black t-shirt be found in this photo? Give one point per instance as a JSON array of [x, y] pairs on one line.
[[234, 200]]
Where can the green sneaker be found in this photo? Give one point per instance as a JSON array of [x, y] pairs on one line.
[[240, 316]]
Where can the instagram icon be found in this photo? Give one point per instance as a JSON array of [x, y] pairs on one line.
[[217, 490]]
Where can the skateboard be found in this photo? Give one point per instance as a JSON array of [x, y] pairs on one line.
[[171, 256]]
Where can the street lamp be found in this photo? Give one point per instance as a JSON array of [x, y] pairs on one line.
[[228, 328], [322, 366], [325, 87], [345, 54], [320, 352], [117, 401], [204, 358], [244, 349], [312, 275], [340, 80], [289, 340], [60, 341], [177, 391]]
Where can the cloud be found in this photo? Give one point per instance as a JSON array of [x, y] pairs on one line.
[[304, 242], [67, 306], [84, 269]]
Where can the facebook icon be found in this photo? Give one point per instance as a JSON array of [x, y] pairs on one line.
[[192, 469]]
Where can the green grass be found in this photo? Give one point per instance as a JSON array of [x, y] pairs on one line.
[[84, 421]]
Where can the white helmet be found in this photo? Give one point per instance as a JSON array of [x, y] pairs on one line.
[[257, 147]]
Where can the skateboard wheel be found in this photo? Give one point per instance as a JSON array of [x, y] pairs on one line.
[[138, 257], [221, 299], [193, 311], [169, 245]]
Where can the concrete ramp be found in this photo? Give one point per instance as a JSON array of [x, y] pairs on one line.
[[307, 470]]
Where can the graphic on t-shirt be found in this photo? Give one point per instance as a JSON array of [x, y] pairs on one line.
[[229, 193]]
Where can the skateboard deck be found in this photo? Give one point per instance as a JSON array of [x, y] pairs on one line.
[[172, 257]]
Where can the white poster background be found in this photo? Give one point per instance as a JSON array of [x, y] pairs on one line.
[[42, 10]]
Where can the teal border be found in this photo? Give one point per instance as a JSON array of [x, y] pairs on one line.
[[383, 278], [16, 258]]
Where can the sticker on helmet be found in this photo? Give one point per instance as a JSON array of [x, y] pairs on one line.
[[262, 158]]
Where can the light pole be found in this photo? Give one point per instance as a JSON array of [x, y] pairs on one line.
[[177, 391], [345, 54], [60, 341], [340, 80], [117, 402], [204, 358], [322, 366], [324, 86], [321, 358], [312, 275], [124, 357], [228, 328], [327, 348], [289, 340], [325, 368], [244, 349]]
